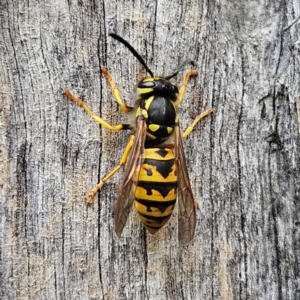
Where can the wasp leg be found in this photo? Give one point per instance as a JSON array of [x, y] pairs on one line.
[[190, 128], [123, 160], [115, 91], [183, 88], [95, 117]]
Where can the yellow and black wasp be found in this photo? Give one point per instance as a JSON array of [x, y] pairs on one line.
[[156, 172]]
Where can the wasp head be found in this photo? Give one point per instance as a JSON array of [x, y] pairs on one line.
[[157, 86]]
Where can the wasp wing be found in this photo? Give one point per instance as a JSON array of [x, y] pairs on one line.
[[125, 196], [186, 201]]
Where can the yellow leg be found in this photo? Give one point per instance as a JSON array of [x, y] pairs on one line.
[[183, 88], [115, 91], [190, 128], [95, 117], [123, 160]]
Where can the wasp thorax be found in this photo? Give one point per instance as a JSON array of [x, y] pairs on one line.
[[158, 87]]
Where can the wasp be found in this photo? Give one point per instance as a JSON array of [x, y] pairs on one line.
[[156, 172]]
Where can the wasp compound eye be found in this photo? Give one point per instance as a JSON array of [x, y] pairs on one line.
[[146, 84], [175, 88]]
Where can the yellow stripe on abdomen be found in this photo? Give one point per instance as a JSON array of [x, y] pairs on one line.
[[155, 188]]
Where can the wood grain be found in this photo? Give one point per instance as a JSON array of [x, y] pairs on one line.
[[244, 160]]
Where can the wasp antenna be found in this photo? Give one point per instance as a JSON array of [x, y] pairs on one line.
[[133, 51], [180, 68]]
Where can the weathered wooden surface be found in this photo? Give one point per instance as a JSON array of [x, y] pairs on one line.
[[244, 160]]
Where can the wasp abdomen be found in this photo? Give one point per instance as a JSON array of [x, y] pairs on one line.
[[155, 188]]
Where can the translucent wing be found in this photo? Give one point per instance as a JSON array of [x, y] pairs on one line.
[[185, 198], [125, 196]]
